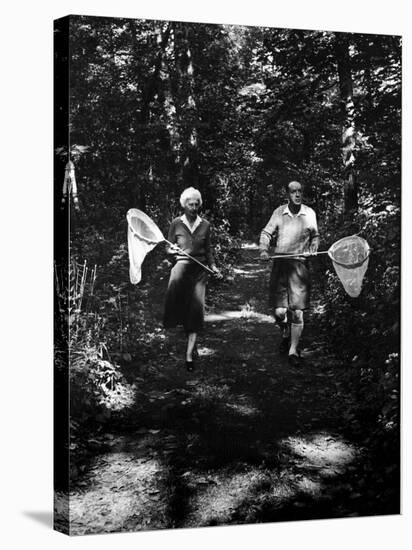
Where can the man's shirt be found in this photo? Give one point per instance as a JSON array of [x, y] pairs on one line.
[[291, 233]]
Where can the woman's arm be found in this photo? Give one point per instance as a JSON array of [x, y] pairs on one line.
[[171, 236]]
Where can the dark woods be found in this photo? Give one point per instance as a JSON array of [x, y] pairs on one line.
[[237, 112]]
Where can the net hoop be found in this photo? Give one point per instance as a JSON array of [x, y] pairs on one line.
[[350, 258], [150, 227], [339, 243]]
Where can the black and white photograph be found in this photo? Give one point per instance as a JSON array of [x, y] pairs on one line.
[[205, 222], [227, 274]]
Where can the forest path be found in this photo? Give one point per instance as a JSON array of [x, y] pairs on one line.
[[244, 438]]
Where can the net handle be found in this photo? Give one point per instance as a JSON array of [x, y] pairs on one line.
[[278, 256], [328, 252], [191, 257], [138, 236]]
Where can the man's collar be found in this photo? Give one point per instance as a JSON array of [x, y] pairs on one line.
[[187, 224], [302, 211]]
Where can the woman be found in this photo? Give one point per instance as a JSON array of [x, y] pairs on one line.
[[185, 297]]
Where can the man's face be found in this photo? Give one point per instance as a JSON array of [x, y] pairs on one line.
[[295, 193]]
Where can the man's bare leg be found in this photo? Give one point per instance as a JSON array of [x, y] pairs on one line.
[[282, 320], [281, 316]]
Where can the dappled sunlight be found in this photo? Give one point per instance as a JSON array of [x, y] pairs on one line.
[[249, 274], [249, 246], [309, 486], [245, 313], [217, 502], [240, 403], [301, 479], [319, 309], [121, 486], [228, 495], [289, 484], [222, 316], [243, 409], [212, 391], [322, 451], [204, 351]]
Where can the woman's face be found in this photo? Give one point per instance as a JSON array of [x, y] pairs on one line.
[[192, 207]]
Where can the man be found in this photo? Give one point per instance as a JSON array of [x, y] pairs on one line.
[[294, 230]]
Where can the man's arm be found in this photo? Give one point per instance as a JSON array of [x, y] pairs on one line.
[[266, 235], [315, 238], [264, 241]]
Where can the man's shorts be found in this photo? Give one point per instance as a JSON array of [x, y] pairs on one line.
[[289, 285]]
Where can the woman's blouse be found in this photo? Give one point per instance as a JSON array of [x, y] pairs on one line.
[[196, 243]]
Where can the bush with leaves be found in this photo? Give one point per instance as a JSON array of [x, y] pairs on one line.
[[99, 393], [365, 330]]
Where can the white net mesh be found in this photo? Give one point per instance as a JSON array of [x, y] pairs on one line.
[[350, 257], [142, 236]]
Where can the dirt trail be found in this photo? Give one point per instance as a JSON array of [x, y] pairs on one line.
[[244, 438]]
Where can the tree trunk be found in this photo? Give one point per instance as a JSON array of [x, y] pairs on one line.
[[144, 166], [348, 128], [169, 106], [187, 113]]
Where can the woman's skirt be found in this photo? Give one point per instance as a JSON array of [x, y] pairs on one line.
[[185, 297]]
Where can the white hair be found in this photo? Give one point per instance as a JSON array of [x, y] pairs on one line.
[[190, 193]]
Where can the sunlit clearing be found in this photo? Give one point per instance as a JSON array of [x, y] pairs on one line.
[[224, 316], [116, 491], [247, 273], [204, 351], [228, 493], [322, 451], [243, 314], [218, 501]]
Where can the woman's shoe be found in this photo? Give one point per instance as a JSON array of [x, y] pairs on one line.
[[295, 360]]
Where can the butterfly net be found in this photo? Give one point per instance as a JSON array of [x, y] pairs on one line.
[[142, 236], [350, 257]]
